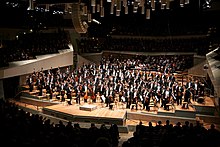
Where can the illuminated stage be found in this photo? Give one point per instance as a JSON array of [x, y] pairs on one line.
[[100, 114], [87, 113]]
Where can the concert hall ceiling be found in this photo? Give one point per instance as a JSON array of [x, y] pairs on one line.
[[51, 13]]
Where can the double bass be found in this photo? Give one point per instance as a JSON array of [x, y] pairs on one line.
[[93, 97], [92, 94]]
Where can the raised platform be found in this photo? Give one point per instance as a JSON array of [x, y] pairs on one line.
[[76, 114], [154, 117], [88, 107], [186, 112], [205, 108], [99, 114]]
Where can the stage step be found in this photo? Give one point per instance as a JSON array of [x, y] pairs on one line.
[[187, 113], [36, 102], [144, 116], [205, 110], [166, 112], [209, 118]]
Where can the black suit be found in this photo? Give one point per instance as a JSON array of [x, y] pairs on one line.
[[68, 93], [77, 95], [179, 95], [187, 98]]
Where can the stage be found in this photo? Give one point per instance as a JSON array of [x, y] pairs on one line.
[[92, 113], [98, 113]]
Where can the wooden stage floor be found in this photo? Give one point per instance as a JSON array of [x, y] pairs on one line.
[[99, 115], [119, 115]]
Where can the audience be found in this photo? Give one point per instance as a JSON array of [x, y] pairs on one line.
[[29, 45], [198, 45], [173, 135], [23, 128]]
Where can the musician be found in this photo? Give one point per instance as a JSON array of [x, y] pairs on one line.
[[195, 91], [171, 77], [40, 88], [62, 93], [103, 99], [85, 90], [166, 98], [158, 96], [93, 93], [78, 95], [81, 89], [98, 89], [51, 92], [146, 102], [187, 96], [121, 93], [102, 89], [30, 83], [68, 93], [123, 100], [135, 101], [109, 100], [48, 88], [128, 98], [189, 84], [201, 89], [179, 94]]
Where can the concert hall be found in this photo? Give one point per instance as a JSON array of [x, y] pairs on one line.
[[110, 73]]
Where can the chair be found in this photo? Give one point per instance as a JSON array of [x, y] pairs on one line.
[[133, 106], [201, 99], [98, 98], [67, 101], [74, 98], [141, 105], [112, 106], [170, 105], [185, 105], [121, 104]]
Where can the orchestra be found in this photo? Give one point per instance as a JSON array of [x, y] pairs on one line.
[[132, 81]]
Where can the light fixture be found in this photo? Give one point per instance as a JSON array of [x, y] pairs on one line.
[[145, 6], [85, 10], [31, 5], [96, 21]]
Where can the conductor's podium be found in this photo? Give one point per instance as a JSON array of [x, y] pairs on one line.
[[87, 107]]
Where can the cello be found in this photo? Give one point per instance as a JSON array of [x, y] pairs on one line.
[[92, 93], [85, 96], [93, 97]]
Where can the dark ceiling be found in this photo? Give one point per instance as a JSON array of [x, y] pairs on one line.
[[195, 13]]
